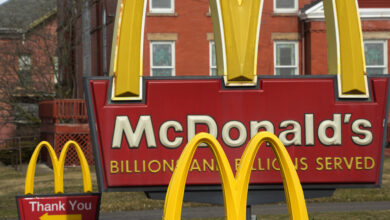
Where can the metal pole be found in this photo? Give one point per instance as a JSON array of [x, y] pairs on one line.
[[248, 212], [20, 154], [249, 215]]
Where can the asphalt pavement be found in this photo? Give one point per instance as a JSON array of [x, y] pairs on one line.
[[268, 209]]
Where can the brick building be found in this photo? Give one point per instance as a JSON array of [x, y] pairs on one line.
[[28, 42], [179, 38]]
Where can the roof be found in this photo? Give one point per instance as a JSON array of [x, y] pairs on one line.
[[362, 4], [21, 15], [315, 10]]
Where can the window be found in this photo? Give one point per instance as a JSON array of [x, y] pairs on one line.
[[286, 58], [376, 56], [162, 58], [213, 59], [24, 73], [161, 6], [24, 62], [285, 6], [55, 68]]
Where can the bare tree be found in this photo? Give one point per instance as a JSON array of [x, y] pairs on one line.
[[28, 70]]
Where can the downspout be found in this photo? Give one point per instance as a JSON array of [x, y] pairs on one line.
[[104, 39], [303, 39], [302, 19]]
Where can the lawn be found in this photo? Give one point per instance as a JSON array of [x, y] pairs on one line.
[[12, 183]]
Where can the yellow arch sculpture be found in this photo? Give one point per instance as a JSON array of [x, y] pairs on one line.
[[235, 189], [58, 167], [236, 25]]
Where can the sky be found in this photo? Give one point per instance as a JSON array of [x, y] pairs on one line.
[[2, 1]]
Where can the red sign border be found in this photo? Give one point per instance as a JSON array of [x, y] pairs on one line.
[[94, 139]]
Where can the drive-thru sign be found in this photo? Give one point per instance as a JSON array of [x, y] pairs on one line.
[[332, 126], [58, 206]]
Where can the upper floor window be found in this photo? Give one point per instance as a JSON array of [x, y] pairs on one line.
[[376, 56], [161, 6], [213, 60], [24, 73], [55, 68], [285, 6], [162, 61], [24, 62], [286, 58]]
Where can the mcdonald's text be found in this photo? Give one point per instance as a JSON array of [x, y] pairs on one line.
[[291, 131], [331, 140]]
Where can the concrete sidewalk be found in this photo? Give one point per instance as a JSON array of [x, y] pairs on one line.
[[218, 211]]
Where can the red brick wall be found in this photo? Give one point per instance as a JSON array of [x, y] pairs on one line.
[[40, 43], [192, 47], [374, 3]]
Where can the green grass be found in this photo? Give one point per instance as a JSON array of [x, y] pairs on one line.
[[366, 215], [12, 183]]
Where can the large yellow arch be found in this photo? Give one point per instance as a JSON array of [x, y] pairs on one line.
[[58, 167], [29, 183], [235, 189], [87, 183]]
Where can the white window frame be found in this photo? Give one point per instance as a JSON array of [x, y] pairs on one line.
[[296, 51], [162, 10], [385, 55], [172, 44], [286, 10], [211, 44]]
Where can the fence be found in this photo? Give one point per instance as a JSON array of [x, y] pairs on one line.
[[12, 149]]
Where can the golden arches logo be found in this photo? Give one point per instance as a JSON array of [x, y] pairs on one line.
[[58, 167], [236, 26], [235, 188]]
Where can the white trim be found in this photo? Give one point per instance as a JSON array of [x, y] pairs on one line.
[[211, 66], [222, 31], [286, 10], [172, 67], [161, 10], [317, 12], [296, 51], [385, 55], [337, 37]]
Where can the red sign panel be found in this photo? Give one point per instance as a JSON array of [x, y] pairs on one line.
[[330, 140], [71, 207]]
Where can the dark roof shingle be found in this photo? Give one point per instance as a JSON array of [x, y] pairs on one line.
[[21, 14]]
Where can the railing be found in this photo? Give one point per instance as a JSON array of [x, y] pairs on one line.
[[63, 111], [64, 120], [15, 146]]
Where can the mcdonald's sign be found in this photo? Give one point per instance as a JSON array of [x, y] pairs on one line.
[[332, 126], [59, 205]]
